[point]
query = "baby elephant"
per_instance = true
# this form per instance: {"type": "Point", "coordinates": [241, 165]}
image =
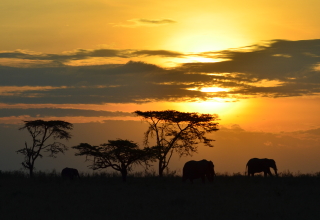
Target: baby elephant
{"type": "Point", "coordinates": [70, 173]}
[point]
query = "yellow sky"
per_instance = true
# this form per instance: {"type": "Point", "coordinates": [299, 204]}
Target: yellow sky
{"type": "Point", "coordinates": [66, 25]}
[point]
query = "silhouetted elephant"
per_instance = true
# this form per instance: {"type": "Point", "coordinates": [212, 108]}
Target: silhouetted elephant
{"type": "Point", "coordinates": [256, 165]}
{"type": "Point", "coordinates": [70, 173]}
{"type": "Point", "coordinates": [198, 169]}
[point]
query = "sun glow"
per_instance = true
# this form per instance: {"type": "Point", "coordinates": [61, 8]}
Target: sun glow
{"type": "Point", "coordinates": [210, 89]}
{"type": "Point", "coordinates": [214, 89]}
{"type": "Point", "coordinates": [199, 59]}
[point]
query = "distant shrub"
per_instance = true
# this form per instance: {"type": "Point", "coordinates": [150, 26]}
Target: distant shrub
{"type": "Point", "coordinates": [13, 174]}
{"type": "Point", "coordinates": [286, 173]}
{"type": "Point", "coordinates": [237, 174]}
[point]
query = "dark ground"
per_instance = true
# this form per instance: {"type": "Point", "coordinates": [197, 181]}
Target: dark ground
{"type": "Point", "coordinates": [47, 196]}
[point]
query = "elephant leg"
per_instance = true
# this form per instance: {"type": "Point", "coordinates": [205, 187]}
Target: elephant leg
{"type": "Point", "coordinates": [268, 171]}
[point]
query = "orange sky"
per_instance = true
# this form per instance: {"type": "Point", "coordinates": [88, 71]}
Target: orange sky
{"type": "Point", "coordinates": [70, 59]}
{"type": "Point", "coordinates": [67, 25]}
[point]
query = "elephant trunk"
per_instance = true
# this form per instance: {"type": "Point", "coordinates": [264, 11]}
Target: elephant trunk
{"type": "Point", "coordinates": [275, 171]}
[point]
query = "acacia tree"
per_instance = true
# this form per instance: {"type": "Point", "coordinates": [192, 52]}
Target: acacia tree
{"type": "Point", "coordinates": [176, 131]}
{"type": "Point", "coordinates": [118, 154]}
{"type": "Point", "coordinates": [41, 131]}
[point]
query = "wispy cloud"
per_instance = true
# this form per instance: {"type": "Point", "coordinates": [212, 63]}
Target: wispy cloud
{"type": "Point", "coordinates": [162, 53]}
{"type": "Point", "coordinates": [82, 54]}
{"type": "Point", "coordinates": [154, 21]}
{"type": "Point", "coordinates": [138, 22]}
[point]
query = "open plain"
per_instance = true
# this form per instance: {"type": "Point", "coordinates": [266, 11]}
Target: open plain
{"type": "Point", "coordinates": [105, 196]}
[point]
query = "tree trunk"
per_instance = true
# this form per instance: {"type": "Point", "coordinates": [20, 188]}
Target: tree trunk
{"type": "Point", "coordinates": [31, 172]}
{"type": "Point", "coordinates": [124, 174]}
{"type": "Point", "coordinates": [161, 168]}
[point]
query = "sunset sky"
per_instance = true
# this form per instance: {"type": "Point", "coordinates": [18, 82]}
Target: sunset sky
{"type": "Point", "coordinates": [92, 63]}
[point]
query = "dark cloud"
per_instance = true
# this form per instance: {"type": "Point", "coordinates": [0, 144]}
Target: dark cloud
{"type": "Point", "coordinates": [132, 82]}
{"type": "Point", "coordinates": [85, 54]}
{"type": "Point", "coordinates": [58, 112]}
{"type": "Point", "coordinates": [77, 55]}
{"type": "Point", "coordinates": [291, 63]}
{"type": "Point", "coordinates": [279, 60]}
{"type": "Point", "coordinates": [283, 68]}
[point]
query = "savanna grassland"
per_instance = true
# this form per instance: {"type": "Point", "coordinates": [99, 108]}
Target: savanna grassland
{"type": "Point", "coordinates": [105, 196]}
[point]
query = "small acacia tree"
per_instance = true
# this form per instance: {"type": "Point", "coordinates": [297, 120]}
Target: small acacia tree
{"type": "Point", "coordinates": [118, 154]}
{"type": "Point", "coordinates": [41, 131]}
{"type": "Point", "coordinates": [176, 131]}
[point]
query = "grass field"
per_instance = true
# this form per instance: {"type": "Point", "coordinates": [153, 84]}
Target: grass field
{"type": "Point", "coordinates": [103, 196]}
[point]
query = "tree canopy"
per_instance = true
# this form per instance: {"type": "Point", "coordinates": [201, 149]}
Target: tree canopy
{"type": "Point", "coordinates": [41, 131]}
{"type": "Point", "coordinates": [118, 154]}
{"type": "Point", "coordinates": [176, 131]}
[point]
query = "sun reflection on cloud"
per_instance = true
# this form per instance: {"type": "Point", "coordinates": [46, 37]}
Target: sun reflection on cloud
{"type": "Point", "coordinates": [209, 89]}
{"type": "Point", "coordinates": [266, 83]}
{"type": "Point", "coordinates": [199, 59]}
{"type": "Point", "coordinates": [214, 89]}
{"type": "Point", "coordinates": [13, 90]}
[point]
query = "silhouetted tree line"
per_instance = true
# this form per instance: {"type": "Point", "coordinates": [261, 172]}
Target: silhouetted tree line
{"type": "Point", "coordinates": [172, 132]}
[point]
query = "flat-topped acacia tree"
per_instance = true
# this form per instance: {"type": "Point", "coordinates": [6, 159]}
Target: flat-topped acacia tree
{"type": "Point", "coordinates": [41, 131]}
{"type": "Point", "coordinates": [176, 131]}
{"type": "Point", "coordinates": [118, 154]}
